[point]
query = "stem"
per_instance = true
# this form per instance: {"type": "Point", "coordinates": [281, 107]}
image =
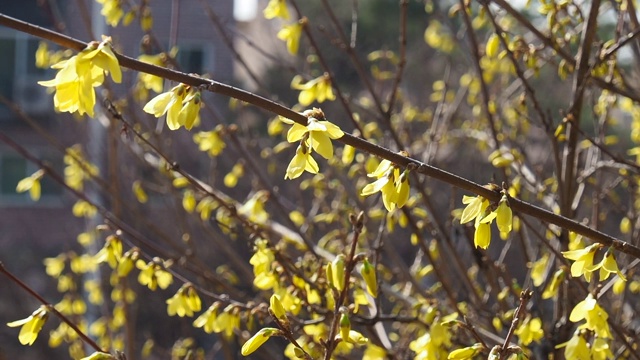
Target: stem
{"type": "Point", "coordinates": [357, 222]}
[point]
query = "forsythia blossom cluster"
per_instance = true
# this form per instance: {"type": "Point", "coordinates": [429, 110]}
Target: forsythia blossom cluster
{"type": "Point", "coordinates": [31, 325]}
{"type": "Point", "coordinates": [181, 104]}
{"type": "Point", "coordinates": [318, 89]}
{"type": "Point", "coordinates": [316, 135]}
{"type": "Point", "coordinates": [78, 75]}
{"type": "Point", "coordinates": [479, 208]}
{"type": "Point", "coordinates": [393, 185]}
{"type": "Point", "coordinates": [583, 262]}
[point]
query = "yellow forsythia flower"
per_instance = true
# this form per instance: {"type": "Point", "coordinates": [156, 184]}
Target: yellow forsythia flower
{"type": "Point", "coordinates": [112, 11]}
{"type": "Point", "coordinates": [258, 339]}
{"type": "Point", "coordinates": [301, 161]}
{"type": "Point", "coordinates": [78, 75]}
{"type": "Point", "coordinates": [552, 289]}
{"type": "Point", "coordinates": [185, 302]}
{"type": "Point", "coordinates": [316, 135]}
{"type": "Point", "coordinates": [31, 325]}
{"type": "Point", "coordinates": [276, 308]}
{"type": "Point", "coordinates": [482, 235]}
{"type": "Point", "coordinates": [318, 89]}
{"type": "Point", "coordinates": [393, 186]}
{"type": "Point", "coordinates": [153, 274]}
{"type": "Point", "coordinates": [111, 253]}
{"type": "Point", "coordinates": [583, 261]}
{"type": "Point", "coordinates": [152, 82]}
{"type": "Point", "coordinates": [368, 272]}
{"type": "Point", "coordinates": [291, 35]}
{"type": "Point", "coordinates": [276, 8]}
{"type": "Point", "coordinates": [594, 315]}
{"type": "Point", "coordinates": [610, 266]}
{"type": "Point", "coordinates": [530, 330]}
{"type": "Point", "coordinates": [181, 104]}
{"type": "Point", "coordinates": [504, 216]}
{"type": "Point", "coordinates": [207, 320]}
{"type": "Point", "coordinates": [99, 356]}
{"type": "Point", "coordinates": [345, 325]}
{"type": "Point", "coordinates": [139, 192]}
{"type": "Point", "coordinates": [576, 347]}
{"type": "Point", "coordinates": [31, 184]}
{"type": "Point", "coordinates": [210, 141]}
{"type": "Point", "coordinates": [465, 353]}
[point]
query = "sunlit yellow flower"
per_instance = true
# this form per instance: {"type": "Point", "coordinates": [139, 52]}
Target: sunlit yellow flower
{"type": "Point", "coordinates": [31, 325]}
{"type": "Point", "coordinates": [276, 308]}
{"type": "Point", "coordinates": [393, 186]}
{"type": "Point", "coordinates": [538, 269]}
{"type": "Point", "coordinates": [228, 322]}
{"type": "Point", "coordinates": [146, 20]}
{"type": "Point", "coordinates": [31, 184]}
{"type": "Point", "coordinates": [55, 266]}
{"type": "Point", "coordinates": [258, 339]}
{"type": "Point", "coordinates": [552, 289]}
{"type": "Point", "coordinates": [482, 235]}
{"type": "Point", "coordinates": [210, 141]}
{"type": "Point", "coordinates": [609, 266]}
{"type": "Point", "coordinates": [318, 132]}
{"type": "Point", "coordinates": [576, 347]}
{"type": "Point", "coordinates": [111, 252]}
{"type": "Point", "coordinates": [127, 262]}
{"type": "Point", "coordinates": [138, 192]}
{"type": "Point", "coordinates": [530, 330]}
{"type": "Point", "coordinates": [600, 350]}
{"type": "Point", "coordinates": [594, 315]}
{"type": "Point", "coordinates": [99, 356]}
{"type": "Point", "coordinates": [185, 302]}
{"type": "Point", "coordinates": [78, 75]}
{"type": "Point", "coordinates": [84, 209]}
{"type": "Point", "coordinates": [207, 320]}
{"type": "Point", "coordinates": [276, 8]}
{"type": "Point", "coordinates": [301, 161]}
{"type": "Point", "coordinates": [583, 261]}
{"type": "Point", "coordinates": [112, 11]}
{"type": "Point", "coordinates": [368, 272]}
{"type": "Point", "coordinates": [337, 272]}
{"type": "Point", "coordinates": [291, 35]}
{"type": "Point", "coordinates": [318, 89]}
{"type": "Point", "coordinates": [169, 103]}
{"type": "Point", "coordinates": [253, 209]}
{"type": "Point", "coordinates": [190, 112]}
{"type": "Point", "coordinates": [465, 353]}
{"type": "Point", "coordinates": [263, 260]}
{"type": "Point", "coordinates": [42, 55]}
{"type": "Point", "coordinates": [504, 216]}
{"type": "Point", "coordinates": [77, 168]}
{"type": "Point", "coordinates": [374, 352]}
{"type": "Point", "coordinates": [153, 274]}
{"type": "Point", "coordinates": [149, 81]}
{"type": "Point", "coordinates": [475, 206]}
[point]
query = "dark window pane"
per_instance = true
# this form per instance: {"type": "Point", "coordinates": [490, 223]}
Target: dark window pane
{"type": "Point", "coordinates": [12, 170]}
{"type": "Point", "coordinates": [191, 60]}
{"type": "Point", "coordinates": [7, 66]}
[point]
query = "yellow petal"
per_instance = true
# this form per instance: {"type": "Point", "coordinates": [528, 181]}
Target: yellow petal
{"type": "Point", "coordinates": [322, 144]}
{"type": "Point", "coordinates": [296, 132]}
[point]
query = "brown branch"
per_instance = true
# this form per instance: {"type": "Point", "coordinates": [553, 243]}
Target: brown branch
{"type": "Point", "coordinates": [359, 143]}
{"type": "Point", "coordinates": [50, 308]}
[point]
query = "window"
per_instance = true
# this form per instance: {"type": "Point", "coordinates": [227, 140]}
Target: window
{"type": "Point", "coordinates": [14, 168]}
{"type": "Point", "coordinates": [19, 76]}
{"type": "Point", "coordinates": [194, 58]}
